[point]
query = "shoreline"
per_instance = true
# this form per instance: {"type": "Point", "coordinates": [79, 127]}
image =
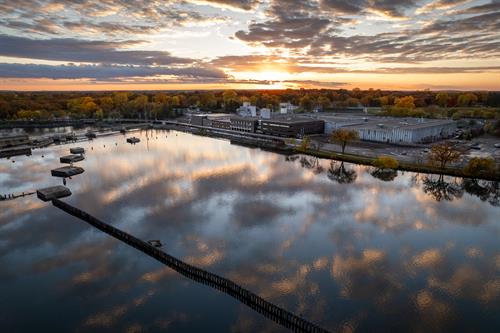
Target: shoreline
{"type": "Point", "coordinates": [331, 155]}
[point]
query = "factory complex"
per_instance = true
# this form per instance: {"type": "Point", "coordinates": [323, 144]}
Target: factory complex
{"type": "Point", "coordinates": [287, 124]}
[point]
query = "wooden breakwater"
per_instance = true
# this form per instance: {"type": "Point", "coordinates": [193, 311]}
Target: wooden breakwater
{"type": "Point", "coordinates": [269, 310]}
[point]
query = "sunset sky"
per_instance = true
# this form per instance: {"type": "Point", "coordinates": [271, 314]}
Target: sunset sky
{"type": "Point", "coordinates": [249, 44]}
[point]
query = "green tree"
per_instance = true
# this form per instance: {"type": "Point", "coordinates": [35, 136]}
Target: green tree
{"type": "Point", "coordinates": [343, 137]}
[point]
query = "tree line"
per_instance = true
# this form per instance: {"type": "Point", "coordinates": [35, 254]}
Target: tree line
{"type": "Point", "coordinates": [168, 104]}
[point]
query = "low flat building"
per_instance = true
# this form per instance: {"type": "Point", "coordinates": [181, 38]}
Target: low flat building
{"type": "Point", "coordinates": [292, 127]}
{"type": "Point", "coordinates": [401, 131]}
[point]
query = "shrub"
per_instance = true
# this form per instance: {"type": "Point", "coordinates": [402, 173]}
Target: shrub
{"type": "Point", "coordinates": [478, 166]}
{"type": "Point", "coordinates": [386, 162]}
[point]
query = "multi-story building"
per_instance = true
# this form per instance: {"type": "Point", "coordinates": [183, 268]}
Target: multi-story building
{"type": "Point", "coordinates": [244, 124]}
{"type": "Point", "coordinates": [292, 127]}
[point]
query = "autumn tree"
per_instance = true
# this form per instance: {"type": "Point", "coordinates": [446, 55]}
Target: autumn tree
{"type": "Point", "coordinates": [478, 166]}
{"type": "Point", "coordinates": [386, 162]}
{"type": "Point", "coordinates": [442, 99]}
{"type": "Point", "coordinates": [442, 154]}
{"type": "Point", "coordinates": [230, 99]}
{"type": "Point", "coordinates": [343, 137]}
{"type": "Point", "coordinates": [306, 103]}
{"type": "Point", "coordinates": [306, 142]}
{"type": "Point", "coordinates": [467, 99]}
{"type": "Point", "coordinates": [120, 100]}
{"type": "Point", "coordinates": [407, 102]}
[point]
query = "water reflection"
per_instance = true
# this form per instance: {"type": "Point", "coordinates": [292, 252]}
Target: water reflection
{"type": "Point", "coordinates": [417, 253]}
{"type": "Point", "coordinates": [387, 175]}
{"type": "Point", "coordinates": [340, 174]}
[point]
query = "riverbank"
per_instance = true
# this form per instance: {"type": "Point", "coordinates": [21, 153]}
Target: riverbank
{"type": "Point", "coordinates": [327, 154]}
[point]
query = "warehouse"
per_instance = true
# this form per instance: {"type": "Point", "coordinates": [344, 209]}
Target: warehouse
{"type": "Point", "coordinates": [405, 131]}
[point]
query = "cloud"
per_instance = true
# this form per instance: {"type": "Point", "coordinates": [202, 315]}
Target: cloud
{"type": "Point", "coordinates": [100, 17]}
{"type": "Point", "coordinates": [89, 51]}
{"type": "Point", "coordinates": [320, 31]}
{"type": "Point", "coordinates": [245, 5]}
{"type": "Point", "coordinates": [102, 72]}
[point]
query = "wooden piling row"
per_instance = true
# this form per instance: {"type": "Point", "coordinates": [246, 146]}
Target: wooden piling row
{"type": "Point", "coordinates": [269, 310]}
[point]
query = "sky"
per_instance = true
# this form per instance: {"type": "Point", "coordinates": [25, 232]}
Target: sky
{"type": "Point", "coordinates": [249, 44]}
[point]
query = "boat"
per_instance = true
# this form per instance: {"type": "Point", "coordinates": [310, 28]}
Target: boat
{"type": "Point", "coordinates": [77, 150]}
{"type": "Point", "coordinates": [133, 140]}
{"type": "Point", "coordinates": [90, 135]}
{"type": "Point", "coordinates": [155, 243]}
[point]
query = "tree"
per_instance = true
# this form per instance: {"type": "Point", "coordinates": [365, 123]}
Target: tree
{"type": "Point", "coordinates": [343, 137]}
{"type": "Point", "coordinates": [231, 102]}
{"type": "Point", "coordinates": [479, 166]}
{"type": "Point", "coordinates": [407, 102]}
{"type": "Point", "coordinates": [467, 99]}
{"type": "Point", "coordinates": [442, 99]}
{"type": "Point", "coordinates": [120, 100]}
{"type": "Point", "coordinates": [306, 103]}
{"type": "Point", "coordinates": [106, 104]}
{"type": "Point", "coordinates": [339, 173]}
{"type": "Point", "coordinates": [386, 162]}
{"type": "Point", "coordinates": [306, 142]}
{"type": "Point", "coordinates": [324, 102]}
{"type": "Point", "coordinates": [444, 153]}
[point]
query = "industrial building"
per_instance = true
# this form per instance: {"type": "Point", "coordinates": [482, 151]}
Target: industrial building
{"type": "Point", "coordinates": [404, 132]}
{"type": "Point", "coordinates": [292, 127]}
{"type": "Point", "coordinates": [244, 124]}
{"type": "Point", "coordinates": [287, 108]}
{"type": "Point", "coordinates": [247, 110]}
{"type": "Point", "coordinates": [391, 130]}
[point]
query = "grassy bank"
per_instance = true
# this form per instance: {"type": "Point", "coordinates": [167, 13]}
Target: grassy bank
{"type": "Point", "coordinates": [404, 166]}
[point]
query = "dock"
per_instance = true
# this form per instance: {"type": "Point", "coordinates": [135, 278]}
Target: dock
{"type": "Point", "coordinates": [15, 151]}
{"type": "Point", "coordinates": [67, 171]}
{"type": "Point", "coordinates": [77, 150]}
{"type": "Point", "coordinates": [269, 310]}
{"type": "Point", "coordinates": [54, 192]}
{"type": "Point", "coordinates": [70, 159]}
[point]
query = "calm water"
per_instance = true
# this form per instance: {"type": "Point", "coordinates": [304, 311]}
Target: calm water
{"type": "Point", "coordinates": [347, 250]}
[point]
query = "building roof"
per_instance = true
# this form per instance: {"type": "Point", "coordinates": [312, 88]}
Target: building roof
{"type": "Point", "coordinates": [408, 123]}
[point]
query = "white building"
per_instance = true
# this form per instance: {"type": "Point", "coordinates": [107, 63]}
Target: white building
{"type": "Point", "coordinates": [247, 110]}
{"type": "Point", "coordinates": [391, 130]}
{"type": "Point", "coordinates": [405, 132]}
{"type": "Point", "coordinates": [265, 113]}
{"type": "Point", "coordinates": [286, 108]}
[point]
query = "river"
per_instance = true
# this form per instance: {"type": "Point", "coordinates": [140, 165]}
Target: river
{"type": "Point", "coordinates": [342, 245]}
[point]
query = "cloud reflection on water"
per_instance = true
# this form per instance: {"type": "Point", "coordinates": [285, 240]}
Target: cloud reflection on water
{"type": "Point", "coordinates": [341, 253]}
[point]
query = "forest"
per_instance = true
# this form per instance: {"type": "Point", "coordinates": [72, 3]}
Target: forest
{"type": "Point", "coordinates": [169, 104]}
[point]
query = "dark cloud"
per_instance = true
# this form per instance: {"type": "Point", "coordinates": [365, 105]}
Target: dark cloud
{"type": "Point", "coordinates": [102, 72]}
{"type": "Point", "coordinates": [493, 6]}
{"type": "Point", "coordinates": [393, 8]}
{"type": "Point", "coordinates": [75, 50]}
